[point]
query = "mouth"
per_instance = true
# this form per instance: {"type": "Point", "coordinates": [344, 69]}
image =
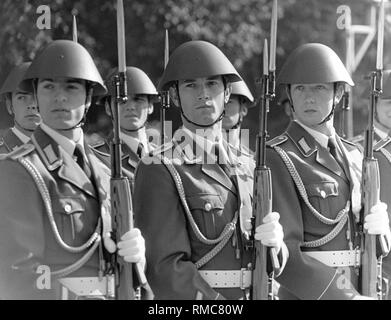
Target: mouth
{"type": "Point", "coordinates": [310, 111]}
{"type": "Point", "coordinates": [60, 110]}
{"type": "Point", "coordinates": [32, 117]}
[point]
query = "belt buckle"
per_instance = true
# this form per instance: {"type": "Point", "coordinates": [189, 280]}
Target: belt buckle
{"type": "Point", "coordinates": [241, 279]}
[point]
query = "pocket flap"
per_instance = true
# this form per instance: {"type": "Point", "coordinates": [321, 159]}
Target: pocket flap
{"type": "Point", "coordinates": [205, 201]}
{"type": "Point", "coordinates": [67, 205]}
{"type": "Point", "coordinates": [322, 189]}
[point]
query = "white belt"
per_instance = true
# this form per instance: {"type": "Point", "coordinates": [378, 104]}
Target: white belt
{"type": "Point", "coordinates": [340, 258]}
{"type": "Point", "coordinates": [88, 286]}
{"type": "Point", "coordinates": [227, 278]}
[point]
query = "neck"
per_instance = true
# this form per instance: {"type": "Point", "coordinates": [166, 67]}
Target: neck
{"type": "Point", "coordinates": [325, 128]}
{"type": "Point", "coordinates": [27, 133]}
{"type": "Point", "coordinates": [140, 134]}
{"type": "Point", "coordinates": [73, 134]}
{"type": "Point", "coordinates": [210, 133]}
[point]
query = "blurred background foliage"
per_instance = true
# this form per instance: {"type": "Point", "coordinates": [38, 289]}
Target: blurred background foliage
{"type": "Point", "coordinates": [237, 27]}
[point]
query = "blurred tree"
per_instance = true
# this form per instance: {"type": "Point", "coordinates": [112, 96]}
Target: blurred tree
{"type": "Point", "coordinates": [236, 26]}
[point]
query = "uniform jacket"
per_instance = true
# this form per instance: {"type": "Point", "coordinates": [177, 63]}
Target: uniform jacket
{"type": "Point", "coordinates": [328, 188]}
{"type": "Point", "coordinates": [26, 238]}
{"type": "Point", "coordinates": [213, 199]}
{"type": "Point", "coordinates": [9, 141]}
{"type": "Point", "coordinates": [130, 159]}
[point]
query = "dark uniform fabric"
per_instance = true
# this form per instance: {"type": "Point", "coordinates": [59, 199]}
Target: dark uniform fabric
{"type": "Point", "coordinates": [172, 247]}
{"type": "Point", "coordinates": [130, 159]}
{"type": "Point", "coordinates": [9, 141]}
{"type": "Point", "coordinates": [329, 187]}
{"type": "Point", "coordinates": [26, 237]}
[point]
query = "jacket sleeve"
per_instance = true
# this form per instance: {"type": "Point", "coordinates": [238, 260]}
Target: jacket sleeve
{"type": "Point", "coordinates": [162, 221]}
{"type": "Point", "coordinates": [303, 277]}
{"type": "Point", "coordinates": [21, 233]}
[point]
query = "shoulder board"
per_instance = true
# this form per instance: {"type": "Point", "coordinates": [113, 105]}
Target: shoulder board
{"type": "Point", "coordinates": [381, 144]}
{"type": "Point", "coordinates": [97, 144]}
{"type": "Point", "coordinates": [351, 142]}
{"type": "Point", "coordinates": [277, 140]}
{"type": "Point", "coordinates": [356, 139]}
{"type": "Point", "coordinates": [162, 148]}
{"type": "Point", "coordinates": [19, 152]}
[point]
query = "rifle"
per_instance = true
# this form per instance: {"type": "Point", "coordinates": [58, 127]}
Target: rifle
{"type": "Point", "coordinates": [74, 29]}
{"type": "Point", "coordinates": [370, 273]}
{"type": "Point", "coordinates": [121, 203]}
{"type": "Point", "coordinates": [165, 96]}
{"type": "Point", "coordinates": [264, 260]}
{"type": "Point", "coordinates": [344, 129]}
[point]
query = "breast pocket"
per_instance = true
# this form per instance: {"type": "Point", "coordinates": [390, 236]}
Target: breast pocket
{"type": "Point", "coordinates": [69, 213]}
{"type": "Point", "coordinates": [207, 211]}
{"type": "Point", "coordinates": [321, 194]}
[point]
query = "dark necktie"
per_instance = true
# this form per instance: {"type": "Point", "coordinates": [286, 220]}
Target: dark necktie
{"type": "Point", "coordinates": [80, 159]}
{"type": "Point", "coordinates": [221, 161]}
{"type": "Point", "coordinates": [334, 151]}
{"type": "Point", "coordinates": [140, 150]}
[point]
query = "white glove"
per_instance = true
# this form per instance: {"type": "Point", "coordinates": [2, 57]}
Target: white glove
{"type": "Point", "coordinates": [377, 222]}
{"type": "Point", "coordinates": [131, 247]}
{"type": "Point", "coordinates": [270, 232]}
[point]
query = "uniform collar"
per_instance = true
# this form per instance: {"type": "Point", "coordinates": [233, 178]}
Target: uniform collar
{"type": "Point", "coordinates": [22, 137]}
{"type": "Point", "coordinates": [67, 144]}
{"type": "Point", "coordinates": [133, 143]}
{"type": "Point", "coordinates": [321, 138]}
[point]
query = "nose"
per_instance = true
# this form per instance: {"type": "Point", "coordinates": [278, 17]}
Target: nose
{"type": "Point", "coordinates": [60, 95]}
{"type": "Point", "coordinates": [203, 93]}
{"type": "Point", "coordinates": [309, 96]}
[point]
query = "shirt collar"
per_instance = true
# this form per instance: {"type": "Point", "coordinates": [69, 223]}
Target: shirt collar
{"type": "Point", "coordinates": [381, 133]}
{"type": "Point", "coordinates": [321, 138]}
{"type": "Point", "coordinates": [67, 144]}
{"type": "Point", "coordinates": [133, 143]}
{"type": "Point", "coordinates": [20, 135]}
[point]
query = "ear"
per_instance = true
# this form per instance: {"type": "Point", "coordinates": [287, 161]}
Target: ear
{"type": "Point", "coordinates": [150, 108]}
{"type": "Point", "coordinates": [8, 104]}
{"type": "Point", "coordinates": [174, 95]}
{"type": "Point", "coordinates": [108, 100]}
{"type": "Point", "coordinates": [227, 92]}
{"type": "Point", "coordinates": [88, 98]}
{"type": "Point", "coordinates": [243, 110]}
{"type": "Point", "coordinates": [339, 92]}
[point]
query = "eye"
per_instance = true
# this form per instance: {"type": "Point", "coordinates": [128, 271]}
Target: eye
{"type": "Point", "coordinates": [48, 86]}
{"type": "Point", "coordinates": [212, 83]}
{"type": "Point", "coordinates": [320, 87]}
{"type": "Point", "coordinates": [73, 86]}
{"type": "Point", "coordinates": [21, 98]}
{"type": "Point", "coordinates": [190, 85]}
{"type": "Point", "coordinates": [299, 88]}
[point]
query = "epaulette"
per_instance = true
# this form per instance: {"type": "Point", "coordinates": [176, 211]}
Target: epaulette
{"type": "Point", "coordinates": [20, 151]}
{"type": "Point", "coordinates": [356, 139]}
{"type": "Point", "coordinates": [97, 144]}
{"type": "Point", "coordinates": [381, 144]}
{"type": "Point", "coordinates": [351, 142]}
{"type": "Point", "coordinates": [276, 141]}
{"type": "Point", "coordinates": [162, 148]}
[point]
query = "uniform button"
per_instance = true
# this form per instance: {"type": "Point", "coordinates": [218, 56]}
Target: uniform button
{"type": "Point", "coordinates": [67, 208]}
{"type": "Point", "coordinates": [323, 194]}
{"type": "Point", "coordinates": [208, 206]}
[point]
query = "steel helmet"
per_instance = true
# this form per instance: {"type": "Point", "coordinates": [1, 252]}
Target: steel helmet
{"type": "Point", "coordinates": [313, 63]}
{"type": "Point", "coordinates": [66, 58]}
{"type": "Point", "coordinates": [197, 59]}
{"type": "Point", "coordinates": [240, 88]}
{"type": "Point", "coordinates": [137, 83]}
{"type": "Point", "coordinates": [11, 84]}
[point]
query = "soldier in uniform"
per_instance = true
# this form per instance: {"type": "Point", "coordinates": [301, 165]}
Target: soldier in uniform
{"type": "Point", "coordinates": [133, 119]}
{"type": "Point", "coordinates": [236, 109]}
{"type": "Point", "coordinates": [193, 211]}
{"type": "Point", "coordinates": [51, 241]}
{"type": "Point", "coordinates": [382, 152]}
{"type": "Point", "coordinates": [316, 179]}
{"type": "Point", "coordinates": [21, 105]}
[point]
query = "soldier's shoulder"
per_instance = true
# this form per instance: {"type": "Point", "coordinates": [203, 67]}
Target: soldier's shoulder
{"type": "Point", "coordinates": [382, 144]}
{"type": "Point", "coordinates": [19, 152]}
{"type": "Point", "coordinates": [101, 147]}
{"type": "Point", "coordinates": [359, 139]}
{"type": "Point", "coordinates": [276, 141]}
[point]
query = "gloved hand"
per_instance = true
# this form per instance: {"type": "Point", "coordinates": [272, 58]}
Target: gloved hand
{"type": "Point", "coordinates": [131, 246]}
{"type": "Point", "coordinates": [377, 222]}
{"type": "Point", "coordinates": [270, 232]}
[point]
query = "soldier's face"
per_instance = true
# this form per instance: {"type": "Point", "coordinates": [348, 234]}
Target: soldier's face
{"type": "Point", "coordinates": [384, 112]}
{"type": "Point", "coordinates": [312, 102]}
{"type": "Point", "coordinates": [61, 102]}
{"type": "Point", "coordinates": [134, 113]}
{"type": "Point", "coordinates": [24, 109]}
{"type": "Point", "coordinates": [202, 99]}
